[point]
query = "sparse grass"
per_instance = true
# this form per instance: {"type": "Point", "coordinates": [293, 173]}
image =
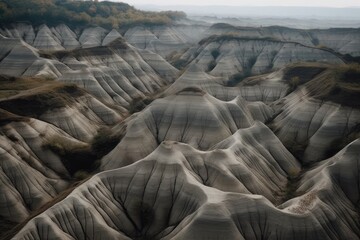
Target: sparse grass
{"type": "Point", "coordinates": [303, 72]}
{"type": "Point", "coordinates": [105, 141]}
{"type": "Point", "coordinates": [139, 104]}
{"type": "Point", "coordinates": [32, 102]}
{"type": "Point", "coordinates": [237, 78]}
{"type": "Point", "coordinates": [340, 84]}
{"type": "Point", "coordinates": [340, 143]}
{"type": "Point", "coordinates": [8, 117]}
{"type": "Point", "coordinates": [75, 157]}
{"type": "Point", "coordinates": [211, 65]}
{"type": "Point", "coordinates": [82, 159]}
{"type": "Point", "coordinates": [10, 86]}
{"type": "Point", "coordinates": [234, 37]}
{"type": "Point", "coordinates": [215, 53]}
{"type": "Point", "coordinates": [180, 64]}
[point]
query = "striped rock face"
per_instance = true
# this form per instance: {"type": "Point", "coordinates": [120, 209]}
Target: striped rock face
{"type": "Point", "coordinates": [171, 132]}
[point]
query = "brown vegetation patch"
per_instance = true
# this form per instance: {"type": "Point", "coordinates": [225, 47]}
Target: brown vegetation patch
{"type": "Point", "coordinates": [34, 102]}
{"type": "Point", "coordinates": [339, 84]}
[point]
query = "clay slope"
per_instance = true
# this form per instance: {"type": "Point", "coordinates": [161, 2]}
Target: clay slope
{"type": "Point", "coordinates": [66, 106]}
{"type": "Point", "coordinates": [162, 40]}
{"type": "Point", "coordinates": [322, 115]}
{"type": "Point", "coordinates": [60, 37]}
{"type": "Point", "coordinates": [17, 58]}
{"type": "Point", "coordinates": [47, 141]}
{"type": "Point", "coordinates": [344, 41]}
{"type": "Point", "coordinates": [31, 173]}
{"type": "Point", "coordinates": [266, 88]}
{"type": "Point", "coordinates": [190, 116]}
{"type": "Point", "coordinates": [163, 196]}
{"type": "Point", "coordinates": [117, 73]}
{"type": "Point", "coordinates": [226, 55]}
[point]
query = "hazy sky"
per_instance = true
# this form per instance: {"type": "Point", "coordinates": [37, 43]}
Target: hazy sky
{"type": "Point", "coordinates": [322, 3]}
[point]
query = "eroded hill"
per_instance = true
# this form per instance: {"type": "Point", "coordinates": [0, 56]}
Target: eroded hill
{"type": "Point", "coordinates": [172, 132]}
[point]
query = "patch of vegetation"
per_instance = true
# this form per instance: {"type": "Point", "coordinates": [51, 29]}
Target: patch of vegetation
{"type": "Point", "coordinates": [74, 157]}
{"type": "Point", "coordinates": [82, 13]}
{"type": "Point", "coordinates": [303, 73]}
{"type": "Point", "coordinates": [83, 159]}
{"type": "Point", "coordinates": [211, 65]}
{"type": "Point", "coordinates": [139, 104]}
{"type": "Point", "coordinates": [105, 141]}
{"type": "Point", "coordinates": [234, 37]}
{"type": "Point", "coordinates": [340, 84]}
{"type": "Point", "coordinates": [7, 117]}
{"type": "Point", "coordinates": [341, 143]}
{"type": "Point", "coordinates": [291, 187]}
{"type": "Point", "coordinates": [42, 99]}
{"type": "Point", "coordinates": [10, 86]}
{"type": "Point", "coordinates": [297, 149]}
{"type": "Point", "coordinates": [237, 78]}
{"type": "Point", "coordinates": [180, 64]}
{"type": "Point", "coordinates": [215, 53]}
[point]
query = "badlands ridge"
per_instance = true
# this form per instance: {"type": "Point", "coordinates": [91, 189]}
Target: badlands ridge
{"type": "Point", "coordinates": [179, 132]}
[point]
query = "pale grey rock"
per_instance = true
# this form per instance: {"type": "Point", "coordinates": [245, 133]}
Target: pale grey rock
{"type": "Point", "coordinates": [30, 174]}
{"type": "Point", "coordinates": [92, 37]}
{"type": "Point", "coordinates": [312, 124]}
{"type": "Point", "coordinates": [344, 41]}
{"type": "Point", "coordinates": [119, 73]}
{"type": "Point", "coordinates": [111, 36]}
{"type": "Point", "coordinates": [265, 88]}
{"type": "Point", "coordinates": [67, 37]}
{"type": "Point", "coordinates": [16, 56]}
{"type": "Point", "coordinates": [163, 197]}
{"type": "Point", "coordinates": [83, 119]}
{"type": "Point", "coordinates": [46, 40]}
{"type": "Point", "coordinates": [253, 56]}
{"type": "Point", "coordinates": [191, 116]}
